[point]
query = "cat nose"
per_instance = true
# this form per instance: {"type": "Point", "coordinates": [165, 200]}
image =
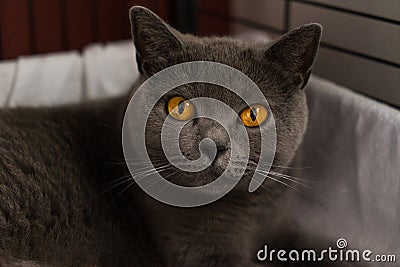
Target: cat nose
{"type": "Point", "coordinates": [216, 133]}
{"type": "Point", "coordinates": [208, 148]}
{"type": "Point", "coordinates": [220, 142]}
{"type": "Point", "coordinates": [221, 147]}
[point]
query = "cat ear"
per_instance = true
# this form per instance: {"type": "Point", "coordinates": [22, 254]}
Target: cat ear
{"type": "Point", "coordinates": [296, 51]}
{"type": "Point", "coordinates": [153, 39]}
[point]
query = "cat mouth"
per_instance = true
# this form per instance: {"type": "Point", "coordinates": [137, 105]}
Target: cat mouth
{"type": "Point", "coordinates": [207, 176]}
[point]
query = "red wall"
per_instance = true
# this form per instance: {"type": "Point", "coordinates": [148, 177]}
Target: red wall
{"type": "Point", "coordinates": [42, 26]}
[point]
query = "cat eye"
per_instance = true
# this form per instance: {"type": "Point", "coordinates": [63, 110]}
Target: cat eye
{"type": "Point", "coordinates": [254, 115]}
{"type": "Point", "coordinates": [180, 109]}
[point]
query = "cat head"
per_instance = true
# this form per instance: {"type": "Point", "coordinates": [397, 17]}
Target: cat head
{"type": "Point", "coordinates": [280, 69]}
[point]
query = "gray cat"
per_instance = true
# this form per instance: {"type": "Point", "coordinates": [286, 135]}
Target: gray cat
{"type": "Point", "coordinates": [55, 161]}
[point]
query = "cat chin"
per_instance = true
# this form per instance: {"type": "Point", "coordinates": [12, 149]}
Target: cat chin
{"type": "Point", "coordinates": [204, 178]}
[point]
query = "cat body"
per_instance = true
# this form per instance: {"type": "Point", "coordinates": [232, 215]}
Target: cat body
{"type": "Point", "coordinates": [53, 168]}
{"type": "Point", "coordinates": [56, 162]}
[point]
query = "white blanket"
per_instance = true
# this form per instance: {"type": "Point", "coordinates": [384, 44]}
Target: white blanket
{"type": "Point", "coordinates": [59, 78]}
{"type": "Point", "coordinates": [352, 149]}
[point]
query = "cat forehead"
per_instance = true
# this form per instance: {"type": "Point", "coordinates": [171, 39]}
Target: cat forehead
{"type": "Point", "coordinates": [243, 56]}
{"type": "Point", "coordinates": [196, 90]}
{"type": "Point", "coordinates": [220, 49]}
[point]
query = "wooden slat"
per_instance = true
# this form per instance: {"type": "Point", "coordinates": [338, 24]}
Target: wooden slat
{"type": "Point", "coordinates": [163, 9]}
{"type": "Point", "coordinates": [111, 19]}
{"type": "Point", "coordinates": [363, 75]}
{"type": "Point", "coordinates": [270, 13]}
{"type": "Point", "coordinates": [41, 26]}
{"type": "Point", "coordinates": [80, 25]}
{"type": "Point", "coordinates": [14, 28]}
{"type": "Point", "coordinates": [212, 25]}
{"type": "Point", "coordinates": [47, 21]}
{"type": "Point", "coordinates": [220, 7]}
{"type": "Point", "coordinates": [355, 33]}
{"type": "Point", "coordinates": [389, 9]}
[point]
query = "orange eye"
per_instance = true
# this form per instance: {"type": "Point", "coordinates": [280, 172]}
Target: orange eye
{"type": "Point", "coordinates": [180, 109]}
{"type": "Point", "coordinates": [254, 115]}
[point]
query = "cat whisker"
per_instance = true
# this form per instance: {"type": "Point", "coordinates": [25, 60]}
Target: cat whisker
{"type": "Point", "coordinates": [151, 162]}
{"type": "Point", "coordinates": [125, 178]}
{"type": "Point", "coordinates": [129, 177]}
{"type": "Point", "coordinates": [293, 168]}
{"type": "Point", "coordinates": [142, 171]}
{"type": "Point", "coordinates": [127, 163]}
{"type": "Point", "coordinates": [144, 174]}
{"type": "Point", "coordinates": [286, 175]}
{"type": "Point", "coordinates": [280, 167]}
{"type": "Point", "coordinates": [283, 183]}
{"type": "Point", "coordinates": [287, 178]}
{"type": "Point", "coordinates": [289, 186]}
{"type": "Point", "coordinates": [137, 179]}
{"type": "Point", "coordinates": [165, 177]}
{"type": "Point", "coordinates": [135, 162]}
{"type": "Point", "coordinates": [295, 178]}
{"type": "Point", "coordinates": [122, 191]}
{"type": "Point", "coordinates": [300, 192]}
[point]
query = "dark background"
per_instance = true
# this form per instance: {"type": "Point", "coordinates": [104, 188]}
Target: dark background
{"type": "Point", "coordinates": [359, 48]}
{"type": "Point", "coordinates": [42, 26]}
